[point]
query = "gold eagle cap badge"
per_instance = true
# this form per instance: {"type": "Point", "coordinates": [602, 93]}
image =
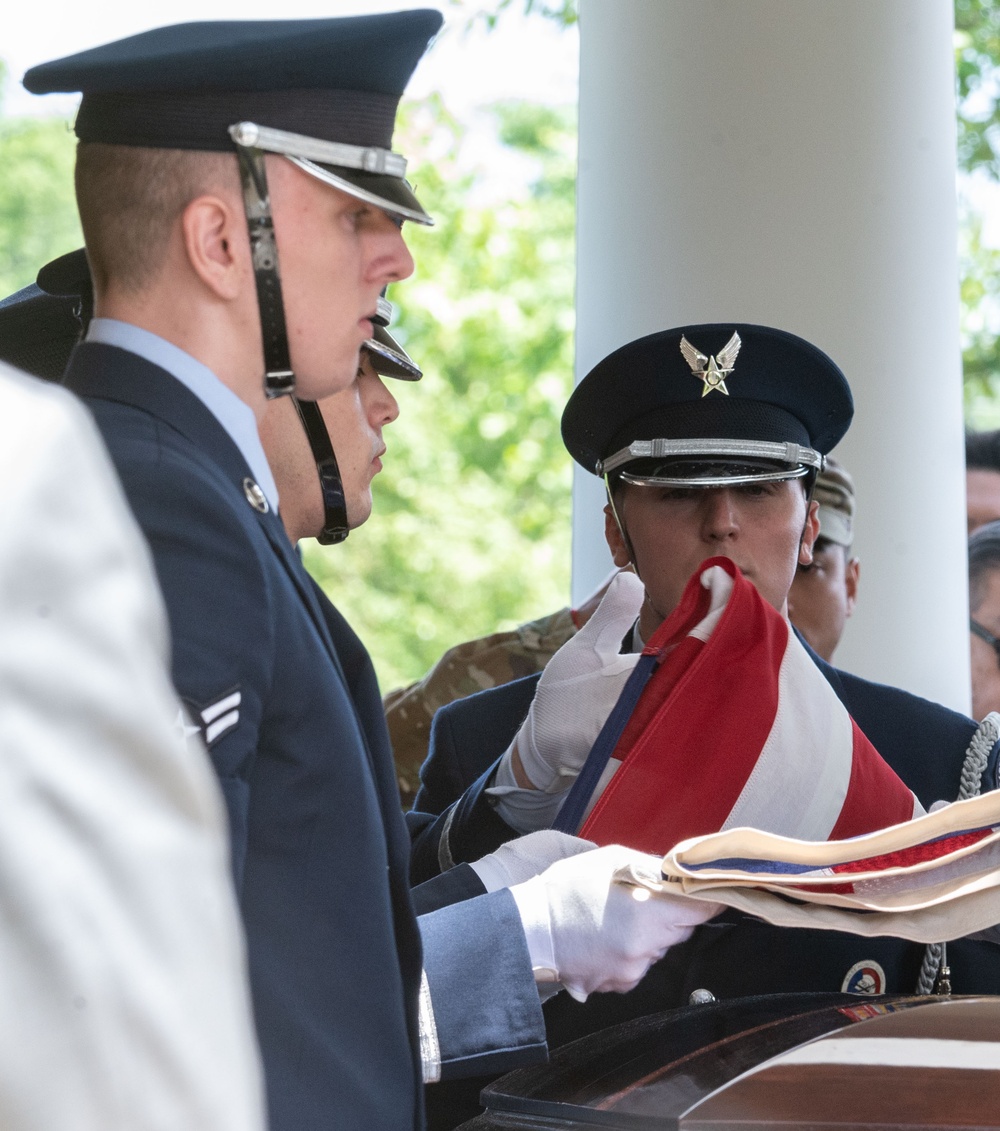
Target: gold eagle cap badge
{"type": "Point", "coordinates": [712, 371]}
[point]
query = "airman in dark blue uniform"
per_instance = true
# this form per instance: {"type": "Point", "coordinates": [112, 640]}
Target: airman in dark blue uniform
{"type": "Point", "coordinates": [281, 129]}
{"type": "Point", "coordinates": [354, 1003]}
{"type": "Point", "coordinates": [691, 428]}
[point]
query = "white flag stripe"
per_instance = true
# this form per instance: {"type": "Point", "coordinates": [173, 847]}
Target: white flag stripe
{"type": "Point", "coordinates": [210, 714]}
{"type": "Point", "coordinates": [213, 732]}
{"type": "Point", "coordinates": [897, 1052]}
{"type": "Point", "coordinates": [798, 786]}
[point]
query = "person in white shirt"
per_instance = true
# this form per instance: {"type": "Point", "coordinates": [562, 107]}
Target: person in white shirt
{"type": "Point", "coordinates": [122, 966]}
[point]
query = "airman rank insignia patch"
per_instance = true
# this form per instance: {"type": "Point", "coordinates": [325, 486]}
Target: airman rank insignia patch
{"type": "Point", "coordinates": [214, 720]}
{"type": "Point", "coordinates": [183, 725]}
{"type": "Point", "coordinates": [864, 977]}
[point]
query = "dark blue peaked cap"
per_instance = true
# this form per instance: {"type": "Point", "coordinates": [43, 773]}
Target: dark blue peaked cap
{"type": "Point", "coordinates": [183, 87]}
{"type": "Point", "coordinates": [779, 389]}
{"type": "Point", "coordinates": [375, 53]}
{"type": "Point", "coordinates": [40, 325]}
{"type": "Point", "coordinates": [38, 331]}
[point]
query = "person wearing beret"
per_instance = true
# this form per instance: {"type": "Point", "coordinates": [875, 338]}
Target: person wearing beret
{"type": "Point", "coordinates": [242, 212]}
{"type": "Point", "coordinates": [709, 439]}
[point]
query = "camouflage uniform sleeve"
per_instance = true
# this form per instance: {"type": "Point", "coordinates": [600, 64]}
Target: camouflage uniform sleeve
{"type": "Point", "coordinates": [473, 666]}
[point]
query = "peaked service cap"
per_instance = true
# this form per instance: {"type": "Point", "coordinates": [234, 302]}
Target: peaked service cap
{"type": "Point", "coordinates": [40, 324]}
{"type": "Point", "coordinates": [834, 491]}
{"type": "Point", "coordinates": [324, 92]}
{"type": "Point", "coordinates": [738, 402]}
{"type": "Point", "coordinates": [388, 357]}
{"type": "Point", "coordinates": [38, 331]}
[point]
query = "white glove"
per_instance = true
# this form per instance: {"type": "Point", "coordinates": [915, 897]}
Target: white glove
{"type": "Point", "coordinates": [578, 690]}
{"type": "Point", "coordinates": [527, 856]}
{"type": "Point", "coordinates": [593, 934]}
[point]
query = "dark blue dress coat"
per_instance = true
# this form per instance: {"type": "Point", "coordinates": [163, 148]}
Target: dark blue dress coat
{"type": "Point", "coordinates": [733, 955]}
{"type": "Point", "coordinates": [287, 702]}
{"type": "Point", "coordinates": [922, 741]}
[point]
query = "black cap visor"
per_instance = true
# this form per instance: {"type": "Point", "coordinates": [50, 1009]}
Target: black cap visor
{"type": "Point", "coordinates": [723, 472]}
{"type": "Point", "coordinates": [391, 194]}
{"type": "Point", "coordinates": [388, 358]}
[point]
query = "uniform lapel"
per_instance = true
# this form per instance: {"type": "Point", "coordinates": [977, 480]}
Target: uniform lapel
{"type": "Point", "coordinates": [276, 535]}
{"type": "Point", "coordinates": [112, 374]}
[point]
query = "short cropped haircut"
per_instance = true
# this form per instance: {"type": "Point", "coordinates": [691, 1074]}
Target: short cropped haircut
{"type": "Point", "coordinates": [982, 450]}
{"type": "Point", "coordinates": [129, 198]}
{"type": "Point", "coordinates": [984, 558]}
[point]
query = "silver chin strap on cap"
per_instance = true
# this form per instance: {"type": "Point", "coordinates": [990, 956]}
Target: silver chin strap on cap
{"type": "Point", "coordinates": [251, 142]}
{"type": "Point", "coordinates": [279, 380]}
{"type": "Point", "coordinates": [335, 525]}
{"type": "Point", "coordinates": [799, 461]}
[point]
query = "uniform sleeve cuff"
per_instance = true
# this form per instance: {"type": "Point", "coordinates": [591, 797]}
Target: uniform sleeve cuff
{"type": "Point", "coordinates": [533, 908]}
{"type": "Point", "coordinates": [525, 810]}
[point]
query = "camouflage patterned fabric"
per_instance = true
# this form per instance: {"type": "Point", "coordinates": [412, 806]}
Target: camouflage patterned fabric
{"type": "Point", "coordinates": [462, 670]}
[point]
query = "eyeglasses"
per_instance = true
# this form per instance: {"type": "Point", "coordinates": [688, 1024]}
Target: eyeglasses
{"type": "Point", "coordinates": [978, 630]}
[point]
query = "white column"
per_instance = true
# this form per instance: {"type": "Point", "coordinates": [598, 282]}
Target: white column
{"type": "Point", "coordinates": [792, 162]}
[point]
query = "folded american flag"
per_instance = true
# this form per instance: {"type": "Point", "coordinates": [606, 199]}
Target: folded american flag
{"type": "Point", "coordinates": [931, 879]}
{"type": "Point", "coordinates": [727, 721]}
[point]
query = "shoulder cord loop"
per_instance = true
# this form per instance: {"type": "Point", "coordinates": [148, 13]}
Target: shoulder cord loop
{"type": "Point", "coordinates": [986, 737]}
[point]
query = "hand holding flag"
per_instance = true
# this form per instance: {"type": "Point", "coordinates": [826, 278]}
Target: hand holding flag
{"type": "Point", "coordinates": [577, 690]}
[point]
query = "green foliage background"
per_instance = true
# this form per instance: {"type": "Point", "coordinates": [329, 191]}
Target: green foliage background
{"type": "Point", "coordinates": [38, 218]}
{"type": "Point", "coordinates": [472, 512]}
{"type": "Point", "coordinates": [977, 64]}
{"type": "Point", "coordinates": [471, 527]}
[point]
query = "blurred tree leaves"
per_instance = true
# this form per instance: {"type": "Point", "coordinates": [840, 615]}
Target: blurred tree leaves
{"type": "Point", "coordinates": [977, 55]}
{"type": "Point", "coordinates": [471, 527]}
{"type": "Point", "coordinates": [977, 64]}
{"type": "Point", "coordinates": [562, 12]}
{"type": "Point", "coordinates": [472, 516]}
{"type": "Point", "coordinates": [38, 218]}
{"type": "Point", "coordinates": [472, 512]}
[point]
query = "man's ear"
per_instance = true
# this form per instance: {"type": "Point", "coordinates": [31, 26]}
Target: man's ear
{"type": "Point", "coordinates": [215, 242]}
{"type": "Point", "coordinates": [613, 536]}
{"type": "Point", "coordinates": [852, 575]}
{"type": "Point", "coordinates": [810, 532]}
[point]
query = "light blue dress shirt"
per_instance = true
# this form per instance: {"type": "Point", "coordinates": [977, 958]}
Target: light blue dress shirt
{"type": "Point", "coordinates": [234, 415]}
